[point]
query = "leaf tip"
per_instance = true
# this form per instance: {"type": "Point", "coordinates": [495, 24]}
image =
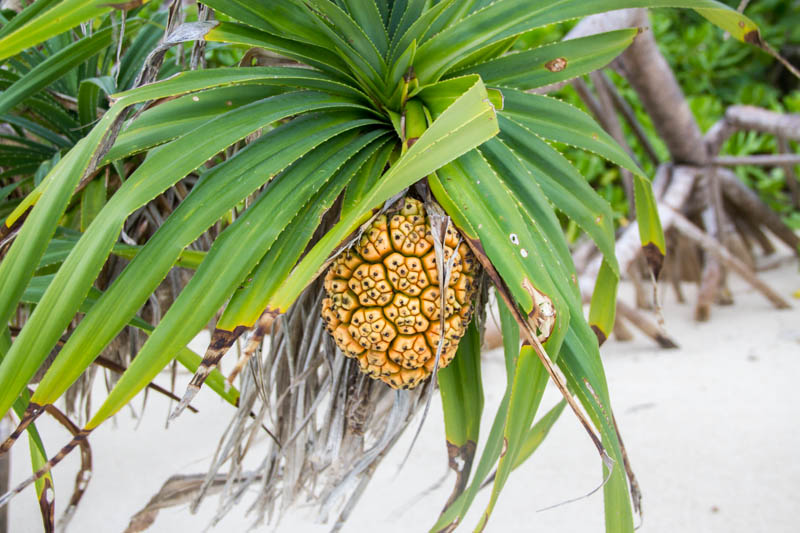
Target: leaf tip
{"type": "Point", "coordinates": [655, 258]}
{"type": "Point", "coordinates": [601, 336]}
{"type": "Point", "coordinates": [754, 37]}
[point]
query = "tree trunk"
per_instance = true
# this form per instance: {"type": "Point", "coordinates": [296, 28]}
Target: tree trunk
{"type": "Point", "coordinates": [651, 76]}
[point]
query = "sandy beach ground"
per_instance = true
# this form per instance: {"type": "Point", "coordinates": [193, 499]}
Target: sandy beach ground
{"type": "Point", "coordinates": [712, 431]}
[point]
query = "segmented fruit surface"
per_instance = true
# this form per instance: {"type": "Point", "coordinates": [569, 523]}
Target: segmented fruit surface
{"type": "Point", "coordinates": [383, 305]}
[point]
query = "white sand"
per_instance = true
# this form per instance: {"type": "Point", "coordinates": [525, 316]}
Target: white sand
{"type": "Point", "coordinates": [712, 431]}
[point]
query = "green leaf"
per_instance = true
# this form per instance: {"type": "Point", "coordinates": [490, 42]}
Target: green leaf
{"type": "Point", "coordinates": [580, 362]}
{"type": "Point", "coordinates": [88, 97]}
{"type": "Point", "coordinates": [538, 432]}
{"type": "Point", "coordinates": [455, 11]}
{"type": "Point", "coordinates": [62, 244]}
{"type": "Point", "coordinates": [441, 95]}
{"type": "Point", "coordinates": [398, 71]}
{"type": "Point", "coordinates": [8, 189]}
{"type": "Point", "coordinates": [537, 211]}
{"type": "Point", "coordinates": [417, 25]}
{"type": "Point", "coordinates": [55, 118]}
{"type": "Point", "coordinates": [404, 14]}
{"type": "Point", "coordinates": [168, 120]}
{"type": "Point", "coordinates": [383, 8]}
{"type": "Point", "coordinates": [38, 456]}
{"type": "Point", "coordinates": [494, 442]}
{"type": "Point", "coordinates": [16, 156]}
{"type": "Point", "coordinates": [322, 58]}
{"type": "Point", "coordinates": [527, 390]}
{"type": "Point", "coordinates": [21, 18]}
{"type": "Point", "coordinates": [93, 198]}
{"type": "Point", "coordinates": [33, 145]}
{"type": "Point", "coordinates": [486, 54]}
{"type": "Point", "coordinates": [461, 389]}
{"type": "Point", "coordinates": [559, 121]}
{"type": "Point", "coordinates": [358, 195]}
{"type": "Point", "coordinates": [51, 196]}
{"type": "Point", "coordinates": [733, 22]}
{"type": "Point", "coordinates": [31, 242]}
{"type": "Point", "coordinates": [351, 44]}
{"type": "Point", "coordinates": [200, 80]}
{"type": "Point", "coordinates": [39, 284]}
{"type": "Point", "coordinates": [552, 63]}
{"type": "Point", "coordinates": [604, 302]}
{"type": "Point", "coordinates": [510, 332]}
{"type": "Point", "coordinates": [38, 130]}
{"type": "Point", "coordinates": [530, 444]}
{"type": "Point", "coordinates": [285, 18]}
{"type": "Point", "coordinates": [171, 119]}
{"type": "Point", "coordinates": [36, 446]}
{"type": "Point", "coordinates": [471, 193]}
{"type": "Point", "coordinates": [564, 186]}
{"type": "Point", "coordinates": [366, 15]}
{"type": "Point", "coordinates": [397, 11]}
{"type": "Point", "coordinates": [650, 230]}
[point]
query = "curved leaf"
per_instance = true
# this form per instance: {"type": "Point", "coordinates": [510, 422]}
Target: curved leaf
{"type": "Point", "coordinates": [461, 389]}
{"type": "Point", "coordinates": [322, 58]}
{"type": "Point", "coordinates": [583, 369]}
{"type": "Point", "coordinates": [552, 63]}
{"type": "Point", "coordinates": [530, 379]}
{"type": "Point", "coordinates": [50, 198]}
{"type": "Point", "coordinates": [535, 207]}
{"type": "Point", "coordinates": [559, 121]}
{"type": "Point", "coordinates": [173, 118]}
{"type": "Point", "coordinates": [603, 308]}
{"type": "Point", "coordinates": [455, 512]}
{"type": "Point", "coordinates": [564, 186]}
{"type": "Point", "coordinates": [285, 18]}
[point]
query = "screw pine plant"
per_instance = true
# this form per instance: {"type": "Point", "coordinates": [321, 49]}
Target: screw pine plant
{"type": "Point", "coordinates": [387, 100]}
